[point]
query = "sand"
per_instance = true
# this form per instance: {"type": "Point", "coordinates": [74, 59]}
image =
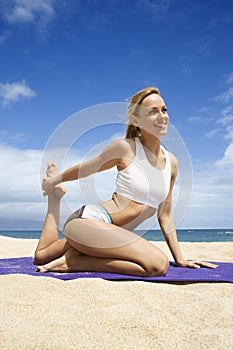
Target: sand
{"type": "Point", "coordinates": [45, 313]}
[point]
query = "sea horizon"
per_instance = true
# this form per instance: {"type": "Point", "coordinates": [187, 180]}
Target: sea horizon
{"type": "Point", "coordinates": [184, 235]}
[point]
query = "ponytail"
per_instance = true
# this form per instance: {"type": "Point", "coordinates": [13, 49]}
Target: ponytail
{"type": "Point", "coordinates": [132, 131]}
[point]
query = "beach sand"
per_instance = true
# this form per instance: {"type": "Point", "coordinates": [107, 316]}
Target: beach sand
{"type": "Point", "coordinates": [46, 313]}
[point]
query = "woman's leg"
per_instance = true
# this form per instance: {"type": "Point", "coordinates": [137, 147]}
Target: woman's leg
{"type": "Point", "coordinates": [108, 248]}
{"type": "Point", "coordinates": [49, 246]}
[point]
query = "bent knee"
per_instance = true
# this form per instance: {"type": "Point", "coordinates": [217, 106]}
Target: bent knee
{"type": "Point", "coordinates": [157, 269]}
{"type": "Point", "coordinates": [39, 258]}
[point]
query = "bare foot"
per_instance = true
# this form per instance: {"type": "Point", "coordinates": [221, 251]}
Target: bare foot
{"type": "Point", "coordinates": [59, 190]}
{"type": "Point", "coordinates": [67, 263]}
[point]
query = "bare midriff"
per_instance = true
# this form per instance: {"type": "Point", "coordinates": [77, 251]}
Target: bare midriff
{"type": "Point", "coordinates": [127, 213]}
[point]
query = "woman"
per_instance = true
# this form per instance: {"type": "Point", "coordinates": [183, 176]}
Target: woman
{"type": "Point", "coordinates": [99, 237]}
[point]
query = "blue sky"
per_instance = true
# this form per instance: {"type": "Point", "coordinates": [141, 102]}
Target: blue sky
{"type": "Point", "coordinates": [60, 57]}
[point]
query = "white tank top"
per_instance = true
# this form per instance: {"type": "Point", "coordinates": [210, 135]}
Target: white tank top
{"type": "Point", "coordinates": [142, 182]}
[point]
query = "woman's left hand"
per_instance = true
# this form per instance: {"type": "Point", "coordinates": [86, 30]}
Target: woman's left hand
{"type": "Point", "coordinates": [196, 264]}
{"type": "Point", "coordinates": [48, 185]}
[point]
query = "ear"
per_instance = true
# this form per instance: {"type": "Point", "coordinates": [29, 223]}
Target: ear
{"type": "Point", "coordinates": [134, 120]}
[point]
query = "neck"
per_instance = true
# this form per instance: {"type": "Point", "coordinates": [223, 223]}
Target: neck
{"type": "Point", "coordinates": [151, 142]}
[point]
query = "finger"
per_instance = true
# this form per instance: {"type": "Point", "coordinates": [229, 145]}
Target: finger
{"type": "Point", "coordinates": [196, 266]}
{"type": "Point", "coordinates": [43, 183]}
{"type": "Point", "coordinates": [47, 193]}
{"type": "Point", "coordinates": [193, 265]}
{"type": "Point", "coordinates": [210, 265]}
{"type": "Point", "coordinates": [205, 264]}
{"type": "Point", "coordinates": [49, 166]}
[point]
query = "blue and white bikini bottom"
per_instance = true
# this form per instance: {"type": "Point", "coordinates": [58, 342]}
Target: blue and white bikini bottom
{"type": "Point", "coordinates": [92, 211]}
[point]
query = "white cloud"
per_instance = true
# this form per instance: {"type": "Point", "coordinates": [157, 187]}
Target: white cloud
{"type": "Point", "coordinates": [13, 92]}
{"type": "Point", "coordinates": [194, 119]}
{"type": "Point", "coordinates": [212, 133]}
{"type": "Point", "coordinates": [20, 183]}
{"type": "Point", "coordinates": [19, 173]}
{"type": "Point", "coordinates": [11, 138]}
{"type": "Point", "coordinates": [227, 116]}
{"type": "Point", "coordinates": [226, 121]}
{"type": "Point", "coordinates": [225, 97]}
{"type": "Point", "coordinates": [230, 78]}
{"type": "Point", "coordinates": [227, 160]}
{"type": "Point", "coordinates": [203, 117]}
{"type": "Point", "coordinates": [21, 11]}
{"type": "Point", "coordinates": [38, 13]}
{"type": "Point", "coordinates": [211, 204]}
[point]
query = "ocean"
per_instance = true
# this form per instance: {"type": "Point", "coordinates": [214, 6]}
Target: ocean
{"type": "Point", "coordinates": [191, 235]}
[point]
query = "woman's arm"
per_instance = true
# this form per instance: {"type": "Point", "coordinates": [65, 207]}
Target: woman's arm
{"type": "Point", "coordinates": [108, 158]}
{"type": "Point", "coordinates": [165, 217]}
{"type": "Point", "coordinates": [166, 221]}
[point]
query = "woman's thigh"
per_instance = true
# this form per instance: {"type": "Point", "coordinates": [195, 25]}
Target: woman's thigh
{"type": "Point", "coordinates": [100, 239]}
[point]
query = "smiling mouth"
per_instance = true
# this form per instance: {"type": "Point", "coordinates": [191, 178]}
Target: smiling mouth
{"type": "Point", "coordinates": [161, 126]}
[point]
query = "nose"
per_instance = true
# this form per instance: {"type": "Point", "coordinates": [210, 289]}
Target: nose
{"type": "Point", "coordinates": [161, 117]}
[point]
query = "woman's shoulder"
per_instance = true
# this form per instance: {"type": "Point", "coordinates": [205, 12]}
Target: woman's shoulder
{"type": "Point", "coordinates": [123, 145]}
{"type": "Point", "coordinates": [174, 163]}
{"type": "Point", "coordinates": [173, 159]}
{"type": "Point", "coordinates": [119, 149]}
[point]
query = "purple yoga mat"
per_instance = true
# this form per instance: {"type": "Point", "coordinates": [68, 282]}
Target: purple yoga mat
{"type": "Point", "coordinates": [224, 272]}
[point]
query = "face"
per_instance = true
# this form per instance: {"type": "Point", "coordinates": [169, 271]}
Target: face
{"type": "Point", "coordinates": [153, 116]}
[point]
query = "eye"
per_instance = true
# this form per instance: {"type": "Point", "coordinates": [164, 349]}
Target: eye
{"type": "Point", "coordinates": [164, 110]}
{"type": "Point", "coordinates": [152, 112]}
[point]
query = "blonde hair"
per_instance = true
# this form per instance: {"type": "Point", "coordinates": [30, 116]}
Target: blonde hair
{"type": "Point", "coordinates": [133, 131]}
